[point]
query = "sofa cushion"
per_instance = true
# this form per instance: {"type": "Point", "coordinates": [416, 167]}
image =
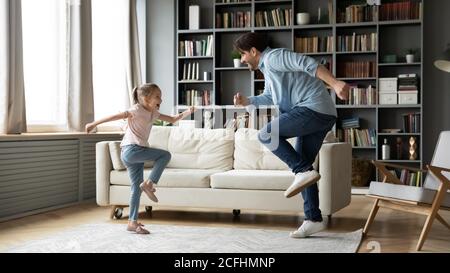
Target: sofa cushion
{"type": "Point", "coordinates": [410, 193]}
{"type": "Point", "coordinates": [171, 178]}
{"type": "Point", "coordinates": [250, 154]}
{"type": "Point", "coordinates": [252, 180]}
{"type": "Point", "coordinates": [118, 165]}
{"type": "Point", "coordinates": [195, 148]}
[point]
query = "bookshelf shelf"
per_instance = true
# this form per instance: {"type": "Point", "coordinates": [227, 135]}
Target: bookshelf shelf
{"type": "Point", "coordinates": [400, 106]}
{"type": "Point", "coordinates": [234, 4]}
{"type": "Point", "coordinates": [313, 26]}
{"type": "Point", "coordinates": [231, 68]}
{"type": "Point", "coordinates": [355, 52]}
{"type": "Point", "coordinates": [399, 134]}
{"type": "Point", "coordinates": [358, 79]}
{"type": "Point", "coordinates": [394, 37]}
{"type": "Point", "coordinates": [360, 24]}
{"type": "Point", "coordinates": [272, 28]}
{"type": "Point", "coordinates": [356, 106]}
{"type": "Point", "coordinates": [195, 31]}
{"type": "Point", "coordinates": [188, 82]}
{"type": "Point", "coordinates": [194, 57]}
{"type": "Point", "coordinates": [401, 161]}
{"type": "Point", "coordinates": [400, 22]}
{"type": "Point", "coordinates": [233, 29]}
{"type": "Point", "coordinates": [273, 2]}
{"type": "Point", "coordinates": [399, 64]}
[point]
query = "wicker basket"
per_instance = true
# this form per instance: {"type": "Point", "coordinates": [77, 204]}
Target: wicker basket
{"type": "Point", "coordinates": [362, 170]}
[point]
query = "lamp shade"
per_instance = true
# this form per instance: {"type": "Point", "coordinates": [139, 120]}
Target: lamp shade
{"type": "Point", "coordinates": [443, 65]}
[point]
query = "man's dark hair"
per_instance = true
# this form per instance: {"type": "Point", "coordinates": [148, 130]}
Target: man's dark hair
{"type": "Point", "coordinates": [251, 39]}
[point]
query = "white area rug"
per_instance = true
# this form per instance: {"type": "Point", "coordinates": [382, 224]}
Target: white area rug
{"type": "Point", "coordinates": [186, 239]}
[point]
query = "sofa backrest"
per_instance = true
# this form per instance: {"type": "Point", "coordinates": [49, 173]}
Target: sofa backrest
{"type": "Point", "coordinates": [250, 154]}
{"type": "Point", "coordinates": [195, 148]}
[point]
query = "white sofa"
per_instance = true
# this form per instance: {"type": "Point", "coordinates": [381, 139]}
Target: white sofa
{"type": "Point", "coordinates": [222, 169]}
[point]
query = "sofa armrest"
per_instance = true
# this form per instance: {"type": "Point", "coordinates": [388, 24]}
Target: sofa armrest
{"type": "Point", "coordinates": [335, 168]}
{"type": "Point", "coordinates": [103, 170]}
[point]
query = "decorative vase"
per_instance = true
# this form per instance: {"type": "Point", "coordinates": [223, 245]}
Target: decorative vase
{"type": "Point", "coordinates": [409, 58]}
{"type": "Point", "coordinates": [303, 18]}
{"type": "Point", "coordinates": [412, 148]}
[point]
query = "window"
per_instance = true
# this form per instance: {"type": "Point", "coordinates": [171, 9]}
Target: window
{"type": "Point", "coordinates": [44, 57]}
{"type": "Point", "coordinates": [108, 57]}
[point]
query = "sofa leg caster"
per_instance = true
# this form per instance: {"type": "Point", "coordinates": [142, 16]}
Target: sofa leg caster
{"type": "Point", "coordinates": [148, 209]}
{"type": "Point", "coordinates": [116, 212]}
{"type": "Point", "coordinates": [236, 212]}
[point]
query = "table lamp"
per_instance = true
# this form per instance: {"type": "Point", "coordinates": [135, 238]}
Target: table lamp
{"type": "Point", "coordinates": [443, 65]}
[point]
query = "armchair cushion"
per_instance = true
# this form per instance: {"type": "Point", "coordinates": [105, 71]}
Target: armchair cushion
{"type": "Point", "coordinates": [404, 192]}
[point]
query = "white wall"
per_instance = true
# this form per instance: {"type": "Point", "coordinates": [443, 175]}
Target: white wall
{"type": "Point", "coordinates": [161, 49]}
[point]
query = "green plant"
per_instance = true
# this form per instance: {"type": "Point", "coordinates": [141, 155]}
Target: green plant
{"type": "Point", "coordinates": [411, 51]}
{"type": "Point", "coordinates": [235, 54]}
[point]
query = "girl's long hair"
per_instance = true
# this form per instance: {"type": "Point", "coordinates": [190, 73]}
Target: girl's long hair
{"type": "Point", "coordinates": [143, 91]}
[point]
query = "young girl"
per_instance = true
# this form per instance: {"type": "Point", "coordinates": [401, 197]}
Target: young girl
{"type": "Point", "coordinates": [135, 150]}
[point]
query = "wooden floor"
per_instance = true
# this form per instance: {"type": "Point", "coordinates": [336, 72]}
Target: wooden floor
{"type": "Point", "coordinates": [392, 231]}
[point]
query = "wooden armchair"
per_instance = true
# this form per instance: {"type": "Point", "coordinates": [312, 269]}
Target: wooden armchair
{"type": "Point", "coordinates": [426, 200]}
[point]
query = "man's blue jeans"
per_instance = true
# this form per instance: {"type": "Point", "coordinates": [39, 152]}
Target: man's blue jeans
{"type": "Point", "coordinates": [310, 128]}
{"type": "Point", "coordinates": [134, 157]}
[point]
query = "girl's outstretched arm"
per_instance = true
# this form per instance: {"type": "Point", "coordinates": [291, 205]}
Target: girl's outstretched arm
{"type": "Point", "coordinates": [91, 126]}
{"type": "Point", "coordinates": [173, 119]}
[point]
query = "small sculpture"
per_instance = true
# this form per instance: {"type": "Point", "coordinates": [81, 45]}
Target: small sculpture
{"type": "Point", "coordinates": [208, 119]}
{"type": "Point", "coordinates": [412, 148]}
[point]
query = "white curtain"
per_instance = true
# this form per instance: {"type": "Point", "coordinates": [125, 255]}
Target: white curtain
{"type": "Point", "coordinates": [12, 93]}
{"type": "Point", "coordinates": [79, 85]}
{"type": "Point", "coordinates": [132, 57]}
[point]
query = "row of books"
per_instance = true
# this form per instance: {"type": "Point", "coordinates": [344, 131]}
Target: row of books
{"type": "Point", "coordinates": [358, 13]}
{"type": "Point", "coordinates": [361, 96]}
{"type": "Point", "coordinates": [195, 97]}
{"type": "Point", "coordinates": [360, 42]}
{"type": "Point", "coordinates": [408, 82]}
{"type": "Point", "coordinates": [237, 19]}
{"type": "Point", "coordinates": [314, 44]}
{"type": "Point", "coordinates": [191, 71]}
{"type": "Point", "coordinates": [274, 18]}
{"type": "Point", "coordinates": [405, 10]}
{"type": "Point", "coordinates": [411, 122]}
{"type": "Point", "coordinates": [409, 10]}
{"type": "Point", "coordinates": [357, 69]}
{"type": "Point", "coordinates": [358, 138]}
{"type": "Point", "coordinates": [352, 122]}
{"type": "Point", "coordinates": [189, 48]}
{"type": "Point", "coordinates": [411, 178]}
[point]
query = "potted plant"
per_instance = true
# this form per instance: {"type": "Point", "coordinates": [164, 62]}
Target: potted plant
{"type": "Point", "coordinates": [410, 56]}
{"type": "Point", "coordinates": [236, 56]}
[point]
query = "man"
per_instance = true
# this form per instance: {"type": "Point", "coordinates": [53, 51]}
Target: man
{"type": "Point", "coordinates": [294, 83]}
